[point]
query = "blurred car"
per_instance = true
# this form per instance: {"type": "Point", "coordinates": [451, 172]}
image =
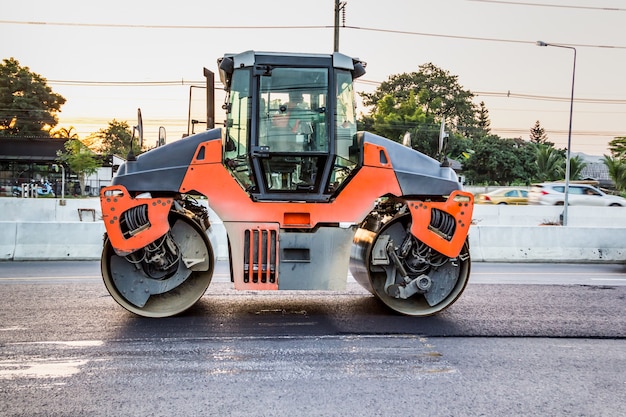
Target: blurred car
{"type": "Point", "coordinates": [553, 194]}
{"type": "Point", "coordinates": [510, 195]}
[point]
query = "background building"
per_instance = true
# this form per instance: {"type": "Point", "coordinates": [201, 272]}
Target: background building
{"type": "Point", "coordinates": [33, 160]}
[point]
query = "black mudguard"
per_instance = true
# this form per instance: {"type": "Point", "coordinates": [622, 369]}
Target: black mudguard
{"type": "Point", "coordinates": [417, 174]}
{"type": "Point", "coordinates": [162, 169]}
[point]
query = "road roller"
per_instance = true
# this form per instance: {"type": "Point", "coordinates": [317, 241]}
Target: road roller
{"type": "Point", "coordinates": [304, 198]}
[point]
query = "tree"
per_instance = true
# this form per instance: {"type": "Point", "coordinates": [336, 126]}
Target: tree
{"type": "Point", "coordinates": [526, 169]}
{"type": "Point", "coordinates": [576, 166]}
{"type": "Point", "coordinates": [65, 133]}
{"type": "Point", "coordinates": [550, 163]}
{"type": "Point", "coordinates": [617, 147]}
{"type": "Point", "coordinates": [425, 138]}
{"type": "Point", "coordinates": [394, 116]}
{"type": "Point", "coordinates": [483, 122]}
{"type": "Point", "coordinates": [459, 147]}
{"type": "Point", "coordinates": [27, 105]}
{"type": "Point", "coordinates": [500, 161]}
{"type": "Point", "coordinates": [115, 140]}
{"type": "Point", "coordinates": [80, 159]}
{"type": "Point", "coordinates": [617, 171]}
{"type": "Point", "coordinates": [417, 102]}
{"type": "Point", "coordinates": [538, 135]}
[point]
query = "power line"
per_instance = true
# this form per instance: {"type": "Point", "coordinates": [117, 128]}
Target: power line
{"type": "Point", "coordinates": [508, 94]}
{"type": "Point", "coordinates": [562, 6]}
{"type": "Point", "coordinates": [562, 132]}
{"type": "Point", "coordinates": [477, 38]}
{"type": "Point", "coordinates": [358, 28]}
{"type": "Point", "coordinates": [83, 83]}
{"type": "Point", "coordinates": [434, 128]}
{"type": "Point", "coordinates": [139, 26]}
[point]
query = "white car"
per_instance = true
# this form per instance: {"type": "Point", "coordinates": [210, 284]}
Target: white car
{"type": "Point", "coordinates": [553, 193]}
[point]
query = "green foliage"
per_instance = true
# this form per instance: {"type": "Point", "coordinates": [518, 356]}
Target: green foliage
{"type": "Point", "coordinates": [394, 116]}
{"type": "Point", "coordinates": [65, 133]}
{"type": "Point", "coordinates": [617, 171]}
{"type": "Point", "coordinates": [616, 163]}
{"type": "Point", "coordinates": [425, 138]}
{"type": "Point", "coordinates": [617, 147]}
{"type": "Point", "coordinates": [459, 147]}
{"type": "Point", "coordinates": [576, 166]}
{"type": "Point", "coordinates": [416, 102]}
{"type": "Point", "coordinates": [500, 161]}
{"type": "Point", "coordinates": [28, 106]}
{"type": "Point", "coordinates": [115, 140]}
{"type": "Point", "coordinates": [79, 158]}
{"type": "Point", "coordinates": [538, 135]}
{"type": "Point", "coordinates": [483, 123]}
{"type": "Point", "coordinates": [550, 163]}
{"type": "Point", "coordinates": [526, 170]}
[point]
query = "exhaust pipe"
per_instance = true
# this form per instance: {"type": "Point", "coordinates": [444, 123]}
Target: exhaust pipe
{"type": "Point", "coordinates": [210, 98]}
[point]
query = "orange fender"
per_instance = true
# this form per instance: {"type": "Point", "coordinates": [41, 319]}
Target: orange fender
{"type": "Point", "coordinates": [460, 205]}
{"type": "Point", "coordinates": [115, 200]}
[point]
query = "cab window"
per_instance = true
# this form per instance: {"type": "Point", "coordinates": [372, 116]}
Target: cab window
{"type": "Point", "coordinates": [292, 110]}
{"type": "Point", "coordinates": [238, 112]}
{"type": "Point", "coordinates": [348, 155]}
{"type": "Point", "coordinates": [293, 131]}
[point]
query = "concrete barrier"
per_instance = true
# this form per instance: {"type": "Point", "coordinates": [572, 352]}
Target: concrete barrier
{"type": "Point", "coordinates": [8, 231]}
{"type": "Point", "coordinates": [577, 216]}
{"type": "Point", "coordinates": [58, 241]}
{"type": "Point", "coordinates": [547, 244]}
{"type": "Point", "coordinates": [46, 209]}
{"type": "Point", "coordinates": [42, 229]}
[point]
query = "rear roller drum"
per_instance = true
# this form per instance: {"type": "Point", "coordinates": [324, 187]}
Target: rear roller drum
{"type": "Point", "coordinates": [408, 276]}
{"type": "Point", "coordinates": [166, 277]}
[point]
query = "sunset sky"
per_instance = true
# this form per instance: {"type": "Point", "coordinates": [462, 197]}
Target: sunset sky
{"type": "Point", "coordinates": [110, 58]}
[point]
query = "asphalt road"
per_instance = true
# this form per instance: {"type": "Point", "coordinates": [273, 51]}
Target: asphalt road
{"type": "Point", "coordinates": [522, 340]}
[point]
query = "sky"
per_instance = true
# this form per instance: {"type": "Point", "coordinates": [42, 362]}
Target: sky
{"type": "Point", "coordinates": [110, 58]}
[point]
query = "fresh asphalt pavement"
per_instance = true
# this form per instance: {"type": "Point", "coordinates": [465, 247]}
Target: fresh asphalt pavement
{"type": "Point", "coordinates": [524, 339]}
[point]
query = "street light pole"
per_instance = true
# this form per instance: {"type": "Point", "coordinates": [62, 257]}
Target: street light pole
{"type": "Point", "coordinates": [569, 134]}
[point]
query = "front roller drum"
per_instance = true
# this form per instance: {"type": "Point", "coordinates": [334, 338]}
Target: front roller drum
{"type": "Point", "coordinates": [405, 274]}
{"type": "Point", "coordinates": [166, 278]}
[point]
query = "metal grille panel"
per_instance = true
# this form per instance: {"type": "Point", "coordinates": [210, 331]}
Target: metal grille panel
{"type": "Point", "coordinates": [260, 256]}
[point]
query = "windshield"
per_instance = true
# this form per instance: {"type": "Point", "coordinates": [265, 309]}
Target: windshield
{"type": "Point", "coordinates": [292, 110]}
{"type": "Point", "coordinates": [293, 127]}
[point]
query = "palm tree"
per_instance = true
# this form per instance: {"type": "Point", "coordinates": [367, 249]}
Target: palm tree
{"type": "Point", "coordinates": [617, 171]}
{"type": "Point", "coordinates": [64, 133]}
{"type": "Point", "coordinates": [549, 163]}
{"type": "Point", "coordinates": [576, 165]}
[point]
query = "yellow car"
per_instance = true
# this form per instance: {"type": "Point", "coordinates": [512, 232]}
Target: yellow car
{"type": "Point", "coordinates": [510, 195]}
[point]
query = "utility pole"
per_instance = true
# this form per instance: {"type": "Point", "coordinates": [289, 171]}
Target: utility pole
{"type": "Point", "coordinates": [339, 6]}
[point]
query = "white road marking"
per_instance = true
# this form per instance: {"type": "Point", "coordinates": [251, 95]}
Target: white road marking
{"type": "Point", "coordinates": [57, 368]}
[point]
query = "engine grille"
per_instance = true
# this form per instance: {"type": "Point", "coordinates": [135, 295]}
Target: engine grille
{"type": "Point", "coordinates": [260, 256]}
